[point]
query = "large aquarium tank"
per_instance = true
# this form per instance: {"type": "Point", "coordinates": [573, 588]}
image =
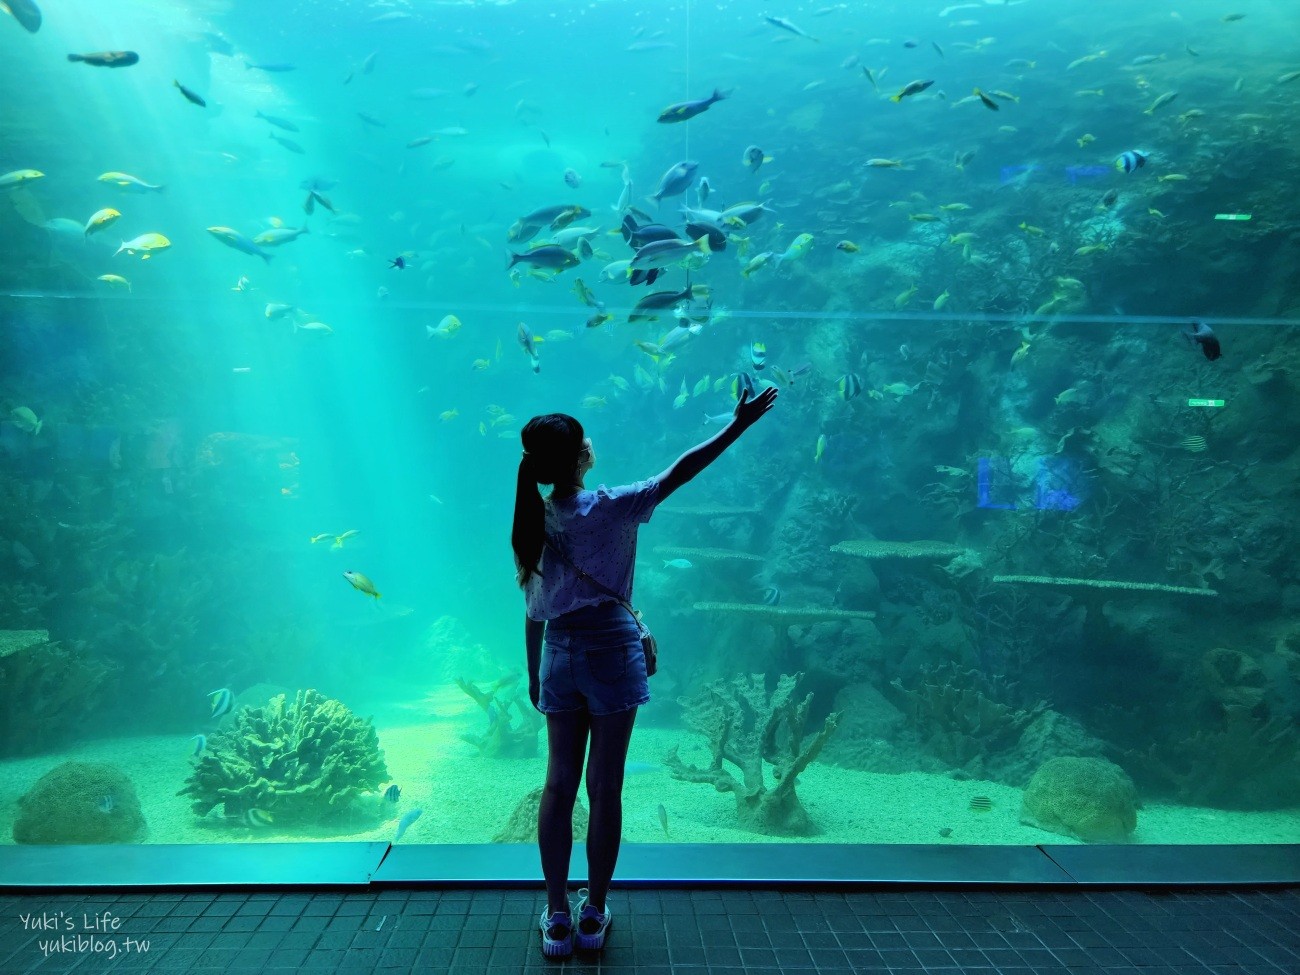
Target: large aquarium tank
{"type": "Point", "coordinates": [1012, 561]}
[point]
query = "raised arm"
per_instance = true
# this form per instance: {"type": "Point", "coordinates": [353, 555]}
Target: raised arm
{"type": "Point", "coordinates": [748, 412]}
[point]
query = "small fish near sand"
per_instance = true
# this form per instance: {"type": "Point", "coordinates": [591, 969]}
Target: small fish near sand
{"type": "Point", "coordinates": [405, 822]}
{"type": "Point", "coordinates": [107, 59]}
{"type": "Point", "coordinates": [222, 701]}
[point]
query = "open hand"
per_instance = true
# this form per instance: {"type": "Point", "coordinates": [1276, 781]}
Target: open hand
{"type": "Point", "coordinates": [748, 411]}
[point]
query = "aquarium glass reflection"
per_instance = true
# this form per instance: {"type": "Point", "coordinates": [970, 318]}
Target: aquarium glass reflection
{"type": "Point", "coordinates": [1012, 560]}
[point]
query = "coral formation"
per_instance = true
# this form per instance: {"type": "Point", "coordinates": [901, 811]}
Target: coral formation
{"type": "Point", "coordinates": [705, 554]}
{"type": "Point", "coordinates": [963, 717]}
{"type": "Point", "coordinates": [1089, 799]}
{"type": "Point", "coordinates": [304, 762]}
{"type": "Point", "coordinates": [786, 613]}
{"type": "Point", "coordinates": [506, 736]}
{"type": "Point", "coordinates": [41, 684]}
{"type": "Point", "coordinates": [871, 548]}
{"type": "Point", "coordinates": [1105, 584]}
{"type": "Point", "coordinates": [80, 802]}
{"type": "Point", "coordinates": [522, 825]}
{"type": "Point", "coordinates": [746, 726]}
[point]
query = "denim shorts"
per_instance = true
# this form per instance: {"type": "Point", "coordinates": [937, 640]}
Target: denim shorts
{"type": "Point", "coordinates": [592, 660]}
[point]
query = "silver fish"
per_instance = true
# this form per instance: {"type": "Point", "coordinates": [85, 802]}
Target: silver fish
{"type": "Point", "coordinates": [676, 180]}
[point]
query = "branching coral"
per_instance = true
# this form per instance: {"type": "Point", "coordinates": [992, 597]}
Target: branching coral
{"type": "Point", "coordinates": [506, 736]}
{"type": "Point", "coordinates": [962, 716]}
{"type": "Point", "coordinates": [745, 726]}
{"type": "Point", "coordinates": [304, 762]}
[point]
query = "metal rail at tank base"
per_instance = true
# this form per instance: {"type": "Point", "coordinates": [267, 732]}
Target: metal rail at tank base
{"type": "Point", "coordinates": [772, 865]}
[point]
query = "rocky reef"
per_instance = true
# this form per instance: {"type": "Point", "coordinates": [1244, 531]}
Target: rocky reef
{"type": "Point", "coordinates": [305, 762]}
{"type": "Point", "coordinates": [41, 684]}
{"type": "Point", "coordinates": [748, 727]}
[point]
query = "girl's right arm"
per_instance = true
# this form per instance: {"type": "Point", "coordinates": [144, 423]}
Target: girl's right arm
{"type": "Point", "coordinates": [748, 412]}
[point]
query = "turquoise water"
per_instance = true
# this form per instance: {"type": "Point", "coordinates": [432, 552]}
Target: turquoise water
{"type": "Point", "coordinates": [981, 343]}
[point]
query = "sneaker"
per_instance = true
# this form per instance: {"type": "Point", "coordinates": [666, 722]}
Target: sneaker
{"type": "Point", "coordinates": [557, 934]}
{"type": "Point", "coordinates": [592, 925]}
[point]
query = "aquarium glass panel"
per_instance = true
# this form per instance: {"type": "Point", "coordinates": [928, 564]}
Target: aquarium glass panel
{"type": "Point", "coordinates": [1010, 560]}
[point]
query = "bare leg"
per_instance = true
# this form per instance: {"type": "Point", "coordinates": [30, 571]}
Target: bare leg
{"type": "Point", "coordinates": [566, 736]}
{"type": "Point", "coordinates": [610, 734]}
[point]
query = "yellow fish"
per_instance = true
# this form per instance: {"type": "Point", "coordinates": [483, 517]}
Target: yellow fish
{"type": "Point", "coordinates": [821, 448]}
{"type": "Point", "coordinates": [321, 537]}
{"type": "Point", "coordinates": [480, 364]}
{"type": "Point", "coordinates": [116, 280]}
{"type": "Point", "coordinates": [1084, 139]}
{"type": "Point", "coordinates": [146, 244]}
{"type": "Point", "coordinates": [340, 539]}
{"type": "Point", "coordinates": [1031, 231]}
{"type": "Point", "coordinates": [905, 297]}
{"type": "Point", "coordinates": [1092, 249]}
{"type": "Point", "coordinates": [1020, 353]}
{"type": "Point", "coordinates": [954, 206]}
{"type": "Point", "coordinates": [19, 176]}
{"type": "Point", "coordinates": [100, 219]}
{"type": "Point", "coordinates": [445, 329]}
{"type": "Point", "coordinates": [446, 415]}
{"type": "Point", "coordinates": [941, 301]}
{"type": "Point", "coordinates": [361, 583]}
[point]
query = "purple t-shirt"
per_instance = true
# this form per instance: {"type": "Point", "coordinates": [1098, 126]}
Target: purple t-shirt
{"type": "Point", "coordinates": [597, 530]}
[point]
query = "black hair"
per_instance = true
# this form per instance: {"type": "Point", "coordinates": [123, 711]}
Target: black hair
{"type": "Point", "coordinates": [552, 445]}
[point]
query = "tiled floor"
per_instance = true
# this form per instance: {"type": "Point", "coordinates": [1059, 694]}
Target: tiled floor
{"type": "Point", "coordinates": [656, 932]}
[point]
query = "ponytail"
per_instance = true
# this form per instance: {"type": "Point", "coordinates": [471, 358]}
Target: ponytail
{"type": "Point", "coordinates": [552, 443]}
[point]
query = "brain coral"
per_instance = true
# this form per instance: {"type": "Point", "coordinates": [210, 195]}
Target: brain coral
{"type": "Point", "coordinates": [80, 802]}
{"type": "Point", "coordinates": [1089, 799]}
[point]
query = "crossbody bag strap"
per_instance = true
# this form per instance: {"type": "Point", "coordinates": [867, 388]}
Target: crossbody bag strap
{"type": "Point", "coordinates": [599, 585]}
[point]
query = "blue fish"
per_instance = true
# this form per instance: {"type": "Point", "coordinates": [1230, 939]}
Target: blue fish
{"type": "Point", "coordinates": [200, 743]}
{"type": "Point", "coordinates": [222, 701]}
{"type": "Point", "coordinates": [772, 595]}
{"type": "Point", "coordinates": [404, 823]}
{"type": "Point", "coordinates": [256, 817]}
{"type": "Point", "coordinates": [105, 804]}
{"type": "Point", "coordinates": [688, 110]}
{"type": "Point", "coordinates": [1131, 160]}
{"type": "Point", "coordinates": [393, 792]}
